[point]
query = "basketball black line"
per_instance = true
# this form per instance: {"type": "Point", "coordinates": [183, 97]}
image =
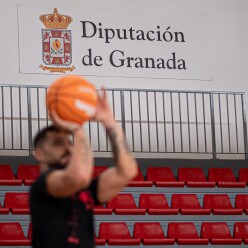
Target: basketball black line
{"type": "Point", "coordinates": [59, 87]}
{"type": "Point", "coordinates": [57, 94]}
{"type": "Point", "coordinates": [62, 99]}
{"type": "Point", "coordinates": [71, 95]}
{"type": "Point", "coordinates": [65, 105]}
{"type": "Point", "coordinates": [53, 94]}
{"type": "Point", "coordinates": [75, 116]}
{"type": "Point", "coordinates": [66, 109]}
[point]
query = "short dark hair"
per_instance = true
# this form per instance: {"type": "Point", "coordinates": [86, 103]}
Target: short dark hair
{"type": "Point", "coordinates": [41, 135]}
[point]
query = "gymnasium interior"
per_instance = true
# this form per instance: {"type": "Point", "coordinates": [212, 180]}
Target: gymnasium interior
{"type": "Point", "coordinates": [176, 77]}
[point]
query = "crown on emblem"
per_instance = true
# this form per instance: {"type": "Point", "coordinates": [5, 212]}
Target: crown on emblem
{"type": "Point", "coordinates": [56, 20]}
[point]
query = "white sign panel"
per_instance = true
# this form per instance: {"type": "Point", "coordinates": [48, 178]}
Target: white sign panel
{"type": "Point", "coordinates": [116, 43]}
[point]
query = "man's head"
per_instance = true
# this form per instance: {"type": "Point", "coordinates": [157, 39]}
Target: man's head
{"type": "Point", "coordinates": [53, 146]}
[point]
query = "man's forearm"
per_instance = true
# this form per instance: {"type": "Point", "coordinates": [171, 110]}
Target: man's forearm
{"type": "Point", "coordinates": [125, 163]}
{"type": "Point", "coordinates": [82, 158]}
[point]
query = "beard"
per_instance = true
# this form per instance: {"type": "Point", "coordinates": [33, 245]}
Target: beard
{"type": "Point", "coordinates": [58, 164]}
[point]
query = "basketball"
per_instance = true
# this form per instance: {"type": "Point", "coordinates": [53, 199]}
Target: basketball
{"type": "Point", "coordinates": [73, 98]}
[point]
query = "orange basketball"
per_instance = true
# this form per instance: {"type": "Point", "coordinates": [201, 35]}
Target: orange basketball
{"type": "Point", "coordinates": [73, 98]}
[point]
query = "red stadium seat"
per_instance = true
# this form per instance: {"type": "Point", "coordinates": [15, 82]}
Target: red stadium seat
{"type": "Point", "coordinates": [7, 176]}
{"type": "Point", "coordinates": [243, 175]}
{"type": "Point", "coordinates": [220, 204]}
{"type": "Point", "coordinates": [18, 203]}
{"type": "Point", "coordinates": [28, 173]}
{"type": "Point", "coordinates": [194, 177]}
{"type": "Point", "coordinates": [218, 233]}
{"type": "Point", "coordinates": [241, 202]}
{"type": "Point", "coordinates": [151, 233]}
{"type": "Point", "coordinates": [155, 204]}
{"type": "Point", "coordinates": [124, 204]}
{"type": "Point", "coordinates": [163, 177]}
{"type": "Point", "coordinates": [3, 210]}
{"type": "Point", "coordinates": [188, 204]}
{"type": "Point", "coordinates": [11, 234]}
{"type": "Point", "coordinates": [30, 231]}
{"type": "Point", "coordinates": [240, 231]}
{"type": "Point", "coordinates": [99, 241]}
{"type": "Point", "coordinates": [117, 234]}
{"type": "Point", "coordinates": [224, 178]}
{"type": "Point", "coordinates": [185, 234]}
{"type": "Point", "coordinates": [139, 181]}
{"type": "Point", "coordinates": [101, 210]}
{"type": "Point", "coordinates": [98, 170]}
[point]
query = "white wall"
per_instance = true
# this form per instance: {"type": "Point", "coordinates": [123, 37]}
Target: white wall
{"type": "Point", "coordinates": [229, 41]}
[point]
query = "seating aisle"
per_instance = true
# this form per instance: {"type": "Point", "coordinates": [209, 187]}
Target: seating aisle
{"type": "Point", "coordinates": [157, 209]}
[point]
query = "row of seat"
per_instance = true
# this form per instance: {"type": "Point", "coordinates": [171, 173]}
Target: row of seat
{"type": "Point", "coordinates": [194, 177]}
{"type": "Point", "coordinates": [153, 204]}
{"type": "Point", "coordinates": [25, 174]}
{"type": "Point", "coordinates": [147, 233]}
{"type": "Point", "coordinates": [158, 176]}
{"type": "Point", "coordinates": [184, 233]}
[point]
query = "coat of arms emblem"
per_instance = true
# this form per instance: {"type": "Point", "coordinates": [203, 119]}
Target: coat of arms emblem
{"type": "Point", "coordinates": [56, 42]}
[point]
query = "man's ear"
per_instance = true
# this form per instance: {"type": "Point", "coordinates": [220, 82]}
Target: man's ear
{"type": "Point", "coordinates": [39, 155]}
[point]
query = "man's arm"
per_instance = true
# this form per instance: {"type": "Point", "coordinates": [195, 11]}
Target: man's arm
{"type": "Point", "coordinates": [115, 178]}
{"type": "Point", "coordinates": [77, 175]}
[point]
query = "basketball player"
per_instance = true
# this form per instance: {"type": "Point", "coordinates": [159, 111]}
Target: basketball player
{"type": "Point", "coordinates": [63, 197]}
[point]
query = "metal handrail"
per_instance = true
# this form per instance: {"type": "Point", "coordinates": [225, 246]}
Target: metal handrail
{"type": "Point", "coordinates": [157, 121]}
{"type": "Point", "coordinates": [132, 89]}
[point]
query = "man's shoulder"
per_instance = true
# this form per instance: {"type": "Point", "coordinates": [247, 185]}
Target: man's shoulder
{"type": "Point", "coordinates": [40, 182]}
{"type": "Point", "coordinates": [39, 185]}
